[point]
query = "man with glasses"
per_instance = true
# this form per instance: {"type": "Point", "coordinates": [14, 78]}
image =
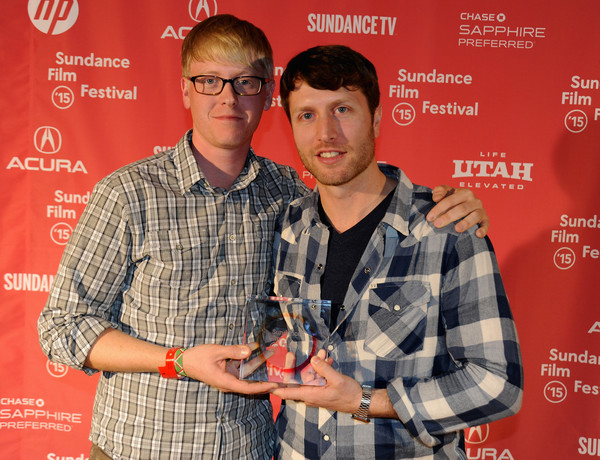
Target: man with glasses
{"type": "Point", "coordinates": [153, 282]}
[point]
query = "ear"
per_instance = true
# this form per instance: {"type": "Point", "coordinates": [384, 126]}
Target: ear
{"type": "Point", "coordinates": [377, 115]}
{"type": "Point", "coordinates": [185, 90]}
{"type": "Point", "coordinates": [269, 90]}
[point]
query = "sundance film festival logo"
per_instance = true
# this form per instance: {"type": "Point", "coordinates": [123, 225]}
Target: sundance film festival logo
{"type": "Point", "coordinates": [53, 17]}
{"type": "Point", "coordinates": [201, 9]}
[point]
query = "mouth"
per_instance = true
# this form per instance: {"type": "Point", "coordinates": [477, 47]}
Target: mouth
{"type": "Point", "coordinates": [228, 118]}
{"type": "Point", "coordinates": [330, 154]}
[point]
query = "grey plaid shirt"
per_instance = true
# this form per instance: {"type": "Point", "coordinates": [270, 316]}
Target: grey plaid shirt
{"type": "Point", "coordinates": [425, 317]}
{"type": "Point", "coordinates": [161, 255]}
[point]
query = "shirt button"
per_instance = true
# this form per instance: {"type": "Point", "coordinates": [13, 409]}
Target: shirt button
{"type": "Point", "coordinates": [179, 247]}
{"type": "Point", "coordinates": [320, 267]}
{"type": "Point", "coordinates": [397, 307]}
{"type": "Point", "coordinates": [367, 270]}
{"type": "Point", "coordinates": [330, 347]}
{"type": "Point", "coordinates": [232, 237]}
{"type": "Point", "coordinates": [326, 438]}
{"type": "Point", "coordinates": [233, 282]}
{"type": "Point", "coordinates": [231, 326]}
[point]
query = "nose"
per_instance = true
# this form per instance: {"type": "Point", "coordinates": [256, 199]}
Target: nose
{"type": "Point", "coordinates": [328, 129]}
{"type": "Point", "coordinates": [228, 95]}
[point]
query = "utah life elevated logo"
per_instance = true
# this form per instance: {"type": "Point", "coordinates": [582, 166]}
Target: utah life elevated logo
{"type": "Point", "coordinates": [53, 17]}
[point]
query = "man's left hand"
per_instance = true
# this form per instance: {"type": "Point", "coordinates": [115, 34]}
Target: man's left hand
{"type": "Point", "coordinates": [340, 393]}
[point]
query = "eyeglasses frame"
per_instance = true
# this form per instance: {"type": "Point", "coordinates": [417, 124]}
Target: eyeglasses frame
{"type": "Point", "coordinates": [262, 80]}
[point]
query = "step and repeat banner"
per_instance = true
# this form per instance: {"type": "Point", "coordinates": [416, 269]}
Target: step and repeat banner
{"type": "Point", "coordinates": [501, 97]}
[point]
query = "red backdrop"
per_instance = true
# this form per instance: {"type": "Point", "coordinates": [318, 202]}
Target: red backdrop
{"type": "Point", "coordinates": [501, 97]}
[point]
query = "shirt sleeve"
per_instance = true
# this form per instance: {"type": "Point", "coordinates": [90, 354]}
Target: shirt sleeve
{"type": "Point", "coordinates": [485, 379]}
{"type": "Point", "coordinates": [85, 294]}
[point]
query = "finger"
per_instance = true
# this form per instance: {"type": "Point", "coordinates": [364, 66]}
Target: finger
{"type": "Point", "coordinates": [237, 351]}
{"type": "Point", "coordinates": [484, 227]}
{"type": "Point", "coordinates": [323, 368]}
{"type": "Point", "coordinates": [294, 393]}
{"type": "Point", "coordinates": [441, 191]}
{"type": "Point", "coordinates": [247, 387]}
{"type": "Point", "coordinates": [442, 207]}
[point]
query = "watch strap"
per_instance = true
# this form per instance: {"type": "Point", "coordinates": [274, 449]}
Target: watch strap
{"type": "Point", "coordinates": [362, 413]}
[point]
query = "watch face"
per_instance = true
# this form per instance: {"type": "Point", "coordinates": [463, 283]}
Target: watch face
{"type": "Point", "coordinates": [285, 334]}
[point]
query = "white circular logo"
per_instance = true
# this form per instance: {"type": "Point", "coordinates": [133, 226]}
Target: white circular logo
{"type": "Point", "coordinates": [564, 258]}
{"type": "Point", "coordinates": [403, 114]}
{"type": "Point", "coordinates": [555, 392]}
{"type": "Point", "coordinates": [56, 370]}
{"type": "Point", "coordinates": [60, 233]}
{"type": "Point", "coordinates": [62, 97]}
{"type": "Point", "coordinates": [53, 17]}
{"type": "Point", "coordinates": [576, 121]}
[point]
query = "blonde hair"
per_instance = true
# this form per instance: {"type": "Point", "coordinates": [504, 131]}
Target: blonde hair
{"type": "Point", "coordinates": [226, 39]}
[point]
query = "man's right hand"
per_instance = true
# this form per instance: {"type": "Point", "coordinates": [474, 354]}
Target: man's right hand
{"type": "Point", "coordinates": [210, 364]}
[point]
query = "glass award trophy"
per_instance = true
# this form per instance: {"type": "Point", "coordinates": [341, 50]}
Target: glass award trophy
{"type": "Point", "coordinates": [284, 334]}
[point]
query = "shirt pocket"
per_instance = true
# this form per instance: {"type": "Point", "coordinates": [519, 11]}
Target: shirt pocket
{"type": "Point", "coordinates": [397, 320]}
{"type": "Point", "coordinates": [287, 286]}
{"type": "Point", "coordinates": [176, 260]}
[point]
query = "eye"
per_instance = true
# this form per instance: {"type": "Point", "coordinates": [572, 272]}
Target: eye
{"type": "Point", "coordinates": [207, 80]}
{"type": "Point", "coordinates": [342, 109]}
{"type": "Point", "coordinates": [306, 116]}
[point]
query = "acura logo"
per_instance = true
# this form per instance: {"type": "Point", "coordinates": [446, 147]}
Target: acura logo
{"type": "Point", "coordinates": [47, 139]}
{"type": "Point", "coordinates": [477, 434]}
{"type": "Point", "coordinates": [201, 9]}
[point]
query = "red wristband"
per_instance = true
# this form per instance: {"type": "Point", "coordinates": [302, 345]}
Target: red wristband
{"type": "Point", "coordinates": [168, 371]}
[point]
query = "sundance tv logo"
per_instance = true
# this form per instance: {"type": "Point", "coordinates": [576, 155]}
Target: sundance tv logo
{"type": "Point", "coordinates": [53, 17]}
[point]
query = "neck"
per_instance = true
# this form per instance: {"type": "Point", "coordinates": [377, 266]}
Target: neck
{"type": "Point", "coordinates": [346, 205]}
{"type": "Point", "coordinates": [220, 166]}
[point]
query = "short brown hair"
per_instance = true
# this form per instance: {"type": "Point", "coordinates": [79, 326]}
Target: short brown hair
{"type": "Point", "coordinates": [224, 38]}
{"type": "Point", "coordinates": [331, 67]}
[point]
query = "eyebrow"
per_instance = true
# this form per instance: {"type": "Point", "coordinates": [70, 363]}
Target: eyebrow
{"type": "Point", "coordinates": [333, 103]}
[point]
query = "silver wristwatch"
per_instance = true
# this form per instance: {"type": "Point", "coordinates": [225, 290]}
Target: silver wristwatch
{"type": "Point", "coordinates": [362, 414]}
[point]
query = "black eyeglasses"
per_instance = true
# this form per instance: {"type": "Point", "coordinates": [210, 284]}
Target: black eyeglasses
{"type": "Point", "coordinates": [242, 86]}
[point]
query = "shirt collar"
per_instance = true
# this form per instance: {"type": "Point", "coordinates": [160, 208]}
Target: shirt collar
{"type": "Point", "coordinates": [398, 212]}
{"type": "Point", "coordinates": [188, 173]}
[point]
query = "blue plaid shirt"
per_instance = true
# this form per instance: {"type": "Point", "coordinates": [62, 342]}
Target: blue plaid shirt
{"type": "Point", "coordinates": [425, 317]}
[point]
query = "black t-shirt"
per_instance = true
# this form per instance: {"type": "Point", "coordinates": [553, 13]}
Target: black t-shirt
{"type": "Point", "coordinates": [344, 251]}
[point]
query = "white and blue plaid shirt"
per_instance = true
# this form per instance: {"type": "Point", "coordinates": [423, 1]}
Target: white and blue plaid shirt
{"type": "Point", "coordinates": [425, 317]}
{"type": "Point", "coordinates": [161, 255]}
